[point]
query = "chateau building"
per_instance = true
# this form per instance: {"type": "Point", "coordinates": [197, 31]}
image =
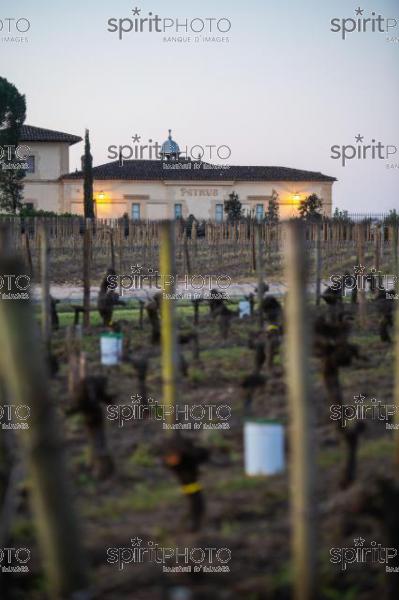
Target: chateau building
{"type": "Point", "coordinates": [170, 187]}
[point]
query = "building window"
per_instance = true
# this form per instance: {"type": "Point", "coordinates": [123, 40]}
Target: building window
{"type": "Point", "coordinates": [30, 161]}
{"type": "Point", "coordinates": [260, 212]}
{"type": "Point", "coordinates": [178, 211]}
{"type": "Point", "coordinates": [219, 213]}
{"type": "Point", "coordinates": [29, 205]}
{"type": "Point", "coordinates": [136, 212]}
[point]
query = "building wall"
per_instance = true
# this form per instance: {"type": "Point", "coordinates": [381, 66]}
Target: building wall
{"type": "Point", "coordinates": [42, 188]}
{"type": "Point", "coordinates": [43, 195]}
{"type": "Point", "coordinates": [157, 200]}
{"type": "Point", "coordinates": [154, 199]}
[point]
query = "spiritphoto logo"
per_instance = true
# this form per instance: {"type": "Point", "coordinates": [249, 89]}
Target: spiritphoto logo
{"type": "Point", "coordinates": [14, 416]}
{"type": "Point", "coordinates": [363, 554]}
{"type": "Point", "coordinates": [171, 559]}
{"type": "Point", "coordinates": [14, 560]}
{"type": "Point", "coordinates": [363, 409]}
{"type": "Point", "coordinates": [186, 416]}
{"type": "Point", "coordinates": [9, 284]}
{"type": "Point", "coordinates": [13, 158]}
{"type": "Point", "coordinates": [192, 287]}
{"type": "Point", "coordinates": [365, 23]}
{"type": "Point", "coordinates": [172, 29]}
{"type": "Point", "coordinates": [152, 150]}
{"type": "Point", "coordinates": [363, 279]}
{"type": "Point", "coordinates": [13, 29]}
{"type": "Point", "coordinates": [363, 150]}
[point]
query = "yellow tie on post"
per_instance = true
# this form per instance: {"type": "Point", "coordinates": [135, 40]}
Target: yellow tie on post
{"type": "Point", "coordinates": [168, 321]}
{"type": "Point", "coordinates": [191, 488]}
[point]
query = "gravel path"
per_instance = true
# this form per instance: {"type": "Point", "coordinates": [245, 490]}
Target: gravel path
{"type": "Point", "coordinates": [68, 293]}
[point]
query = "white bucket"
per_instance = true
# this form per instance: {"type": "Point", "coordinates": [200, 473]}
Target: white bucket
{"type": "Point", "coordinates": [263, 447]}
{"type": "Point", "coordinates": [244, 308]}
{"type": "Point", "coordinates": [111, 348]}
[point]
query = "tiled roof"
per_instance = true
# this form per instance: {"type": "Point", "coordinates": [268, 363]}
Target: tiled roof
{"type": "Point", "coordinates": [196, 171]}
{"type": "Point", "coordinates": [38, 134]}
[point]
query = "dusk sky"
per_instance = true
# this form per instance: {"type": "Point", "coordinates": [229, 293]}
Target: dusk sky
{"type": "Point", "coordinates": [282, 91]}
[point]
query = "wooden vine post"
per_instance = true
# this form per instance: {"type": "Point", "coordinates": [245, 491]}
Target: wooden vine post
{"type": "Point", "coordinates": [361, 231]}
{"type": "Point", "coordinates": [168, 319]}
{"type": "Point", "coordinates": [253, 247]}
{"type": "Point", "coordinates": [396, 366]}
{"type": "Point", "coordinates": [194, 238]}
{"type": "Point", "coordinates": [112, 248]}
{"type": "Point", "coordinates": [86, 273]}
{"type": "Point", "coordinates": [44, 275]}
{"type": "Point", "coordinates": [186, 253]}
{"type": "Point", "coordinates": [377, 248]}
{"type": "Point", "coordinates": [318, 261]}
{"type": "Point", "coordinates": [25, 237]}
{"type": "Point", "coordinates": [302, 469]}
{"type": "Point", "coordinates": [395, 261]}
{"type": "Point", "coordinates": [120, 258]}
{"type": "Point", "coordinates": [23, 370]}
{"type": "Point", "coordinates": [396, 383]}
{"type": "Point", "coordinates": [259, 268]}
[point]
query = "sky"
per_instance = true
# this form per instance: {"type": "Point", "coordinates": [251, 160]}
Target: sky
{"type": "Point", "coordinates": [283, 89]}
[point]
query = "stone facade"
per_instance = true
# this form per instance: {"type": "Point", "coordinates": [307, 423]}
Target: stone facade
{"type": "Point", "coordinates": [165, 188]}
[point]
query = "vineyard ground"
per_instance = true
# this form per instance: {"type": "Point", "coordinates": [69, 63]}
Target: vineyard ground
{"type": "Point", "coordinates": [250, 516]}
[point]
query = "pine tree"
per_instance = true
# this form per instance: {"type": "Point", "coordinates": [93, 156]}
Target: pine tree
{"type": "Point", "coordinates": [232, 208]}
{"type": "Point", "coordinates": [12, 117]}
{"type": "Point", "coordinates": [88, 179]}
{"type": "Point", "coordinates": [272, 216]}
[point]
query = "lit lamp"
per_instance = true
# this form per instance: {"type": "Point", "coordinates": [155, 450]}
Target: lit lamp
{"type": "Point", "coordinates": [101, 196]}
{"type": "Point", "coordinates": [296, 197]}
